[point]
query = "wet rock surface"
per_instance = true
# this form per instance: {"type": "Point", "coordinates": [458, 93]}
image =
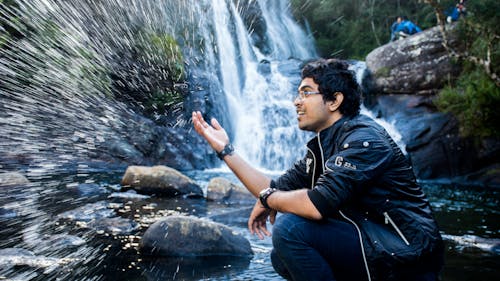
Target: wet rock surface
{"type": "Point", "coordinates": [191, 236]}
{"type": "Point", "coordinates": [160, 180]}
{"type": "Point", "coordinates": [417, 64]}
{"type": "Point", "coordinates": [222, 190]}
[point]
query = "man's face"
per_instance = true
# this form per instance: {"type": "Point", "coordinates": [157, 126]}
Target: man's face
{"type": "Point", "coordinates": [313, 114]}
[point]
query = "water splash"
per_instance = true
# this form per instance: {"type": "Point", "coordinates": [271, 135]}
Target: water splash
{"type": "Point", "coordinates": [62, 63]}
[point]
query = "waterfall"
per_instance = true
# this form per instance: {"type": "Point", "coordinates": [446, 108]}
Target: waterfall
{"type": "Point", "coordinates": [261, 104]}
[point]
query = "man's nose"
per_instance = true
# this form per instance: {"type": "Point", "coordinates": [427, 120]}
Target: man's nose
{"type": "Point", "coordinates": [297, 101]}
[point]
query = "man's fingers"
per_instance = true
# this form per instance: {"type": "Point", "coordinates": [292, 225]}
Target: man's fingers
{"type": "Point", "coordinates": [216, 124]}
{"type": "Point", "coordinates": [250, 226]}
{"type": "Point", "coordinates": [272, 217]}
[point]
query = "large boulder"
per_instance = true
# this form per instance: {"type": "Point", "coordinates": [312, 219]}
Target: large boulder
{"type": "Point", "coordinates": [221, 189]}
{"type": "Point", "coordinates": [190, 236]}
{"type": "Point", "coordinates": [160, 180]}
{"type": "Point", "coordinates": [417, 64]}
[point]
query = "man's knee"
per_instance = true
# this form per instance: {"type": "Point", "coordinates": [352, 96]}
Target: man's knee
{"type": "Point", "coordinates": [287, 231]}
{"type": "Point", "coordinates": [284, 225]}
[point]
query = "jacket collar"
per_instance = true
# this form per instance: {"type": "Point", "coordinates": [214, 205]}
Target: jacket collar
{"type": "Point", "coordinates": [327, 135]}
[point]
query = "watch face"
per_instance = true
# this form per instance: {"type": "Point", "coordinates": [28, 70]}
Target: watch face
{"type": "Point", "coordinates": [264, 192]}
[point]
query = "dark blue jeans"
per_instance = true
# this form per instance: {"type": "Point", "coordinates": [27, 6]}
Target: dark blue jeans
{"type": "Point", "coordinates": [316, 250]}
{"type": "Point", "coordinates": [320, 250]}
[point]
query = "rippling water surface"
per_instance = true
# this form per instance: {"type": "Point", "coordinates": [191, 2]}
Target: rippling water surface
{"type": "Point", "coordinates": [53, 229]}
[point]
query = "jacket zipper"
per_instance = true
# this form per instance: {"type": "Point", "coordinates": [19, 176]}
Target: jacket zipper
{"type": "Point", "coordinates": [342, 214]}
{"type": "Point", "coordinates": [322, 156]}
{"type": "Point", "coordinates": [360, 242]}
{"type": "Point", "coordinates": [389, 220]}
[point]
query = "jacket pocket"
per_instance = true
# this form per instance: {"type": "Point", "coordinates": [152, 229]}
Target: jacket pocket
{"type": "Point", "coordinates": [388, 220]}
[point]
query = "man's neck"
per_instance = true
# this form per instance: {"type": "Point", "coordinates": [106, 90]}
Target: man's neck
{"type": "Point", "coordinates": [334, 117]}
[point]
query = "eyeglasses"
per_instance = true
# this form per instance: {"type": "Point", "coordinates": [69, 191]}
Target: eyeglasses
{"type": "Point", "coordinates": [304, 94]}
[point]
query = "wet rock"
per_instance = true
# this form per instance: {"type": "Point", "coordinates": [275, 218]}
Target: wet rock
{"type": "Point", "coordinates": [193, 268]}
{"type": "Point", "coordinates": [254, 20]}
{"type": "Point", "coordinates": [12, 179]}
{"type": "Point", "coordinates": [88, 189]}
{"type": "Point", "coordinates": [64, 241]}
{"type": "Point", "coordinates": [264, 67]}
{"type": "Point", "coordinates": [89, 212]}
{"type": "Point", "coordinates": [6, 213]}
{"type": "Point", "coordinates": [160, 180]}
{"type": "Point", "coordinates": [129, 194]}
{"type": "Point", "coordinates": [491, 245]}
{"type": "Point", "coordinates": [418, 63]}
{"type": "Point", "coordinates": [23, 257]}
{"type": "Point", "coordinates": [114, 226]}
{"type": "Point", "coordinates": [223, 190]}
{"type": "Point", "coordinates": [190, 236]}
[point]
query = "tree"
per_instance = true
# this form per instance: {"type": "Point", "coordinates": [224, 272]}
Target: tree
{"type": "Point", "coordinates": [474, 98]}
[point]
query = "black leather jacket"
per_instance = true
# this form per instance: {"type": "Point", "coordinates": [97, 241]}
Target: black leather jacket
{"type": "Point", "coordinates": [358, 174]}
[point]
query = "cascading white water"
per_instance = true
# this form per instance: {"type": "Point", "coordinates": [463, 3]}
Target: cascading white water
{"type": "Point", "coordinates": [261, 106]}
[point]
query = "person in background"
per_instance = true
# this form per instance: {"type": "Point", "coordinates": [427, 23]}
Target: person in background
{"type": "Point", "coordinates": [351, 209]}
{"type": "Point", "coordinates": [457, 11]}
{"type": "Point", "coordinates": [403, 28]}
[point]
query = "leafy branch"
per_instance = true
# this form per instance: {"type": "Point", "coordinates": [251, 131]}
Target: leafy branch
{"type": "Point", "coordinates": [484, 61]}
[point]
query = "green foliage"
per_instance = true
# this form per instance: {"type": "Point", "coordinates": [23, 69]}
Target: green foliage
{"type": "Point", "coordinates": [351, 29]}
{"type": "Point", "coordinates": [161, 58]}
{"type": "Point", "coordinates": [475, 97]}
{"type": "Point", "coordinates": [475, 101]}
{"type": "Point", "coordinates": [163, 51]}
{"type": "Point", "coordinates": [162, 101]}
{"type": "Point", "coordinates": [4, 38]}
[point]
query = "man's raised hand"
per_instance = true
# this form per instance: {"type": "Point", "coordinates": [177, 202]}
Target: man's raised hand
{"type": "Point", "coordinates": [214, 134]}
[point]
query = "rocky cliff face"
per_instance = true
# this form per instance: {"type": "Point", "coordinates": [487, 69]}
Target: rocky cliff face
{"type": "Point", "coordinates": [403, 77]}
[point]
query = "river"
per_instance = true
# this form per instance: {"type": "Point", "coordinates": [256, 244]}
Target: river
{"type": "Point", "coordinates": [51, 229]}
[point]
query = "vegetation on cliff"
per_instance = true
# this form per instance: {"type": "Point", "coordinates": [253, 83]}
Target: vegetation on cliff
{"type": "Point", "coordinates": [474, 97]}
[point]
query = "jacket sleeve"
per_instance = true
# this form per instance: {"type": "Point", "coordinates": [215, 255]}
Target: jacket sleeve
{"type": "Point", "coordinates": [294, 178]}
{"type": "Point", "coordinates": [361, 158]}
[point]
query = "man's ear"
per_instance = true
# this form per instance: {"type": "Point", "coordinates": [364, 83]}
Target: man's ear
{"type": "Point", "coordinates": [335, 104]}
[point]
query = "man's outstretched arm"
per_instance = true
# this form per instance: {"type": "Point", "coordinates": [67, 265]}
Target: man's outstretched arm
{"type": "Point", "coordinates": [296, 202]}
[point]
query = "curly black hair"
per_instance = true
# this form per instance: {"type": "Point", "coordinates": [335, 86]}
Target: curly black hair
{"type": "Point", "coordinates": [333, 75]}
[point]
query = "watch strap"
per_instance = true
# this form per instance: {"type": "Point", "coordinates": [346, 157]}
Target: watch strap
{"type": "Point", "coordinates": [264, 194]}
{"type": "Point", "coordinates": [228, 150]}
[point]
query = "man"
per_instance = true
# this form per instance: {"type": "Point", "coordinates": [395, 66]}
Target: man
{"type": "Point", "coordinates": [403, 28]}
{"type": "Point", "coordinates": [352, 209]}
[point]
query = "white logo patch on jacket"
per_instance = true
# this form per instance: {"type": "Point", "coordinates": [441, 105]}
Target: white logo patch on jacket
{"type": "Point", "coordinates": [339, 162]}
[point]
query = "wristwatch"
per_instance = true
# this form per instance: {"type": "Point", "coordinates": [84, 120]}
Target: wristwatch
{"type": "Point", "coordinates": [264, 194]}
{"type": "Point", "coordinates": [228, 150]}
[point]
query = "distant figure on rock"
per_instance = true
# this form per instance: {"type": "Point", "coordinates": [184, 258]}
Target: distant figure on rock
{"type": "Point", "coordinates": [456, 12]}
{"type": "Point", "coordinates": [351, 207]}
{"type": "Point", "coordinates": [403, 28]}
